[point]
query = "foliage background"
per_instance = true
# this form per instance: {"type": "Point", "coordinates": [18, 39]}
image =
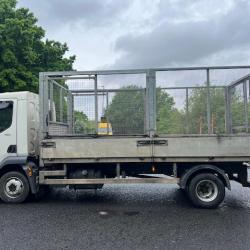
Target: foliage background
{"type": "Point", "coordinates": [24, 50]}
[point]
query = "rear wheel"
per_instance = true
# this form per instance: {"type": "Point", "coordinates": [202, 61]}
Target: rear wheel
{"type": "Point", "coordinates": [206, 190]}
{"type": "Point", "coordinates": [14, 187]}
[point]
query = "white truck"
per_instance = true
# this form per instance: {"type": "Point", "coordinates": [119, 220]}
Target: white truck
{"type": "Point", "coordinates": [39, 144]}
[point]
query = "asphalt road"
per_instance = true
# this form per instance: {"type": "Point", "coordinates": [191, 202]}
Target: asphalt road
{"type": "Point", "coordinates": [126, 217]}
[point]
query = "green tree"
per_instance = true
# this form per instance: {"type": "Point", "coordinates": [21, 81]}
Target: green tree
{"type": "Point", "coordinates": [126, 113]}
{"type": "Point", "coordinates": [197, 115]}
{"type": "Point", "coordinates": [238, 110]}
{"type": "Point", "coordinates": [169, 118]}
{"type": "Point", "coordinates": [82, 125]}
{"type": "Point", "coordinates": [24, 52]}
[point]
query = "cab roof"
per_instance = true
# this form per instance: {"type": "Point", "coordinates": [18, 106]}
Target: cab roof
{"type": "Point", "coordinates": [22, 95]}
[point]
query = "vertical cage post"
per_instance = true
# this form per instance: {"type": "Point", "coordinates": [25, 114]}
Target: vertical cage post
{"type": "Point", "coordinates": [208, 102]}
{"type": "Point", "coordinates": [187, 111]}
{"type": "Point", "coordinates": [245, 105]}
{"type": "Point", "coordinates": [249, 88]}
{"type": "Point", "coordinates": [107, 104]}
{"type": "Point", "coordinates": [229, 106]}
{"type": "Point", "coordinates": [151, 102]}
{"type": "Point", "coordinates": [96, 104]}
{"type": "Point", "coordinates": [227, 110]}
{"type": "Point", "coordinates": [51, 98]}
{"type": "Point", "coordinates": [107, 99]}
{"type": "Point", "coordinates": [61, 105]}
{"type": "Point", "coordinates": [70, 112]}
{"type": "Point", "coordinates": [145, 110]}
{"type": "Point", "coordinates": [43, 105]}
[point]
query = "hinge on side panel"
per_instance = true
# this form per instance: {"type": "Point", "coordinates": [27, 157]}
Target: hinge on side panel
{"type": "Point", "coordinates": [143, 143]}
{"type": "Point", "coordinates": [160, 142]}
{"type": "Point", "coordinates": [48, 144]}
{"type": "Point", "coordinates": [152, 142]}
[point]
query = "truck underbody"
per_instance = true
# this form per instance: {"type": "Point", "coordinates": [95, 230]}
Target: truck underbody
{"type": "Point", "coordinates": [139, 156]}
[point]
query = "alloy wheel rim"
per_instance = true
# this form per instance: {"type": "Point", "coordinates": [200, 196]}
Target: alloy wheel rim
{"type": "Point", "coordinates": [206, 190]}
{"type": "Point", "coordinates": [14, 187]}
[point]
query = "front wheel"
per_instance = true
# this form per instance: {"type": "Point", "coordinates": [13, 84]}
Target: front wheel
{"type": "Point", "coordinates": [206, 190]}
{"type": "Point", "coordinates": [14, 187]}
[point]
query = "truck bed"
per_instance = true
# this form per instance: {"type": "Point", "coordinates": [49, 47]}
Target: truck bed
{"type": "Point", "coordinates": [174, 148]}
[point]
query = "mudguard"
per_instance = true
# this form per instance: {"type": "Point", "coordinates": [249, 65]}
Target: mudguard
{"type": "Point", "coordinates": [22, 162]}
{"type": "Point", "coordinates": [200, 168]}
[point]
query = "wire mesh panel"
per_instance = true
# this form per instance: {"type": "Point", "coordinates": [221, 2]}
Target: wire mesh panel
{"type": "Point", "coordinates": [184, 110]}
{"type": "Point", "coordinates": [170, 115]}
{"type": "Point", "coordinates": [240, 106]}
{"type": "Point", "coordinates": [181, 102]}
{"type": "Point", "coordinates": [126, 111]}
{"type": "Point", "coordinates": [84, 114]}
{"type": "Point", "coordinates": [197, 110]}
{"type": "Point", "coordinates": [85, 104]}
{"type": "Point", "coordinates": [59, 116]}
{"type": "Point", "coordinates": [218, 110]}
{"type": "Point", "coordinates": [124, 104]}
{"type": "Point", "coordinates": [199, 101]}
{"type": "Point", "coordinates": [226, 76]}
{"type": "Point", "coordinates": [180, 78]}
{"type": "Point", "coordinates": [117, 110]}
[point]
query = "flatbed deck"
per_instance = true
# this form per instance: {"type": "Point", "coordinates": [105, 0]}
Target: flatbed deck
{"type": "Point", "coordinates": [174, 148]}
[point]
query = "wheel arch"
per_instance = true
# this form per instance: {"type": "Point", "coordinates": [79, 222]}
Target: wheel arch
{"type": "Point", "coordinates": [20, 164]}
{"type": "Point", "coordinates": [204, 168]}
{"type": "Point", "coordinates": [13, 163]}
{"type": "Point", "coordinates": [11, 167]}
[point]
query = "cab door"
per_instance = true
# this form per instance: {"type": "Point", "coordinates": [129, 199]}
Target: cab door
{"type": "Point", "coordinates": [8, 127]}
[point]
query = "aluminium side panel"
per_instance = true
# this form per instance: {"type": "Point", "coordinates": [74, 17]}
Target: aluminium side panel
{"type": "Point", "coordinates": [177, 149]}
{"type": "Point", "coordinates": [212, 147]}
{"type": "Point", "coordinates": [95, 149]}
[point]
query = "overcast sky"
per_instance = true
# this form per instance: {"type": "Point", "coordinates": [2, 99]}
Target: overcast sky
{"type": "Point", "coordinates": [148, 33]}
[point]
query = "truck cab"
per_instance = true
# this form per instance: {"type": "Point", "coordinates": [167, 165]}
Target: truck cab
{"type": "Point", "coordinates": [19, 122]}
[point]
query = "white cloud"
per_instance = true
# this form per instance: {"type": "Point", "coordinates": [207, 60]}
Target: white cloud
{"type": "Point", "coordinates": [128, 34]}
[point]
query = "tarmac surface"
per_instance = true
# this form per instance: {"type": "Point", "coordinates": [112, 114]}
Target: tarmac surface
{"type": "Point", "coordinates": [126, 217]}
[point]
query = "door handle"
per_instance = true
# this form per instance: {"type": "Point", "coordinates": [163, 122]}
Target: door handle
{"type": "Point", "coordinates": [7, 134]}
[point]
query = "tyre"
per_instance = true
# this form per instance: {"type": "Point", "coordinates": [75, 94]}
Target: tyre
{"type": "Point", "coordinates": [206, 190]}
{"type": "Point", "coordinates": [14, 187]}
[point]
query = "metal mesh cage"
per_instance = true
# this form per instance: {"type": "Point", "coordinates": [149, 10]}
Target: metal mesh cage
{"type": "Point", "coordinates": [151, 102]}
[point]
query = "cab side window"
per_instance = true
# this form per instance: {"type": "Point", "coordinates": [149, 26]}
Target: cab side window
{"type": "Point", "coordinates": [6, 114]}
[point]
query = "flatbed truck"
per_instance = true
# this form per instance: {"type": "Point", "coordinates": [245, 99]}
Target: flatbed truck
{"type": "Point", "coordinates": [39, 144]}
